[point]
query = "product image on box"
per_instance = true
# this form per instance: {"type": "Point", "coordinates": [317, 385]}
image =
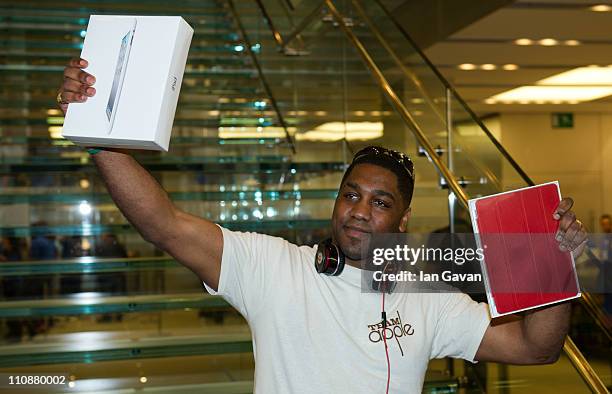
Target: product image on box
{"type": "Point", "coordinates": [523, 266]}
{"type": "Point", "coordinates": [120, 70]}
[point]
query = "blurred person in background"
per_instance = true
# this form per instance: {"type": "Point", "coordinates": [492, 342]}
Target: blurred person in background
{"type": "Point", "coordinates": [10, 250]}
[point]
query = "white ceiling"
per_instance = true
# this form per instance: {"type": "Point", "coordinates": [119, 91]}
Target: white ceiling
{"type": "Point", "coordinates": [490, 40]}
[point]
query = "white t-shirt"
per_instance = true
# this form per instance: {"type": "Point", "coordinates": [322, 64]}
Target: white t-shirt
{"type": "Point", "coordinates": [314, 333]}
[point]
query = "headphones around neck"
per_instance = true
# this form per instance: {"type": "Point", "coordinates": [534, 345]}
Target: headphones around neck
{"type": "Point", "coordinates": [329, 260]}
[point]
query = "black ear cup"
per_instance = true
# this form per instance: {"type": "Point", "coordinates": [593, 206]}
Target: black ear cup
{"type": "Point", "coordinates": [329, 259]}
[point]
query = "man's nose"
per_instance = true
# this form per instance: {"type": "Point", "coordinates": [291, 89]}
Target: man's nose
{"type": "Point", "coordinates": [361, 210]}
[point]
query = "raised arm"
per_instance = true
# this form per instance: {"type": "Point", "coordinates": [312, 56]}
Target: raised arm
{"type": "Point", "coordinates": [194, 242]}
{"type": "Point", "coordinates": [538, 336]}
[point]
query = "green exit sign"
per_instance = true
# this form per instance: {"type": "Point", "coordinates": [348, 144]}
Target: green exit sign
{"type": "Point", "coordinates": [562, 120]}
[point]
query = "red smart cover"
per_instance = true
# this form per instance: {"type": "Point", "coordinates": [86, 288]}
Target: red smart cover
{"type": "Point", "coordinates": [524, 266]}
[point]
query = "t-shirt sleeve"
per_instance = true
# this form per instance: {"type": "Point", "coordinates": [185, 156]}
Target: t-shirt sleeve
{"type": "Point", "coordinates": [461, 325]}
{"type": "Point", "coordinates": [250, 265]}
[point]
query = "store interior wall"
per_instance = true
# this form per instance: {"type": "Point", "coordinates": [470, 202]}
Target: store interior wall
{"type": "Point", "coordinates": [578, 157]}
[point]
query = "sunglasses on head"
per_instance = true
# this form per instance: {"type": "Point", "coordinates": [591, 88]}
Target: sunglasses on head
{"type": "Point", "coordinates": [400, 157]}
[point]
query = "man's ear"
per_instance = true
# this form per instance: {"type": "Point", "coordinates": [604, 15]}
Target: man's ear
{"type": "Point", "coordinates": [403, 226]}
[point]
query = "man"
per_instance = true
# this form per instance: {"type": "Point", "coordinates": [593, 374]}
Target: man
{"type": "Point", "coordinates": [314, 333]}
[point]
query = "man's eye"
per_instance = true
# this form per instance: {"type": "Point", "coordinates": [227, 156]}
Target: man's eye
{"type": "Point", "coordinates": [381, 203]}
{"type": "Point", "coordinates": [350, 196]}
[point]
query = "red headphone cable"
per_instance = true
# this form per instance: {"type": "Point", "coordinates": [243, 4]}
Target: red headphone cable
{"type": "Point", "coordinates": [384, 322]}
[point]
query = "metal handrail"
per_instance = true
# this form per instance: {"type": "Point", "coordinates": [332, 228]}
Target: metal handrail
{"type": "Point", "coordinates": [576, 357]}
{"type": "Point", "coordinates": [441, 78]}
{"type": "Point", "coordinates": [417, 83]}
{"type": "Point", "coordinates": [275, 33]}
{"type": "Point", "coordinates": [583, 367]}
{"type": "Point", "coordinates": [302, 25]}
{"type": "Point", "coordinates": [591, 306]}
{"type": "Point", "coordinates": [262, 77]}
{"type": "Point", "coordinates": [399, 106]}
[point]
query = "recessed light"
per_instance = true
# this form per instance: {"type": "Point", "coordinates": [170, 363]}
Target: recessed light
{"type": "Point", "coordinates": [601, 8]}
{"type": "Point", "coordinates": [488, 67]}
{"type": "Point", "coordinates": [523, 41]}
{"type": "Point", "coordinates": [592, 76]}
{"type": "Point", "coordinates": [467, 66]}
{"type": "Point", "coordinates": [556, 93]}
{"type": "Point", "coordinates": [572, 43]}
{"type": "Point", "coordinates": [548, 42]}
{"type": "Point", "coordinates": [510, 67]}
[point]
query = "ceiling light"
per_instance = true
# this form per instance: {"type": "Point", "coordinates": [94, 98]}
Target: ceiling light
{"type": "Point", "coordinates": [488, 67]}
{"type": "Point", "coordinates": [581, 76]}
{"type": "Point", "coordinates": [523, 41]}
{"type": "Point", "coordinates": [335, 131]}
{"type": "Point", "coordinates": [566, 93]}
{"type": "Point", "coordinates": [252, 132]}
{"type": "Point", "coordinates": [84, 208]}
{"type": "Point", "coordinates": [359, 113]}
{"type": "Point", "coordinates": [467, 66]}
{"type": "Point", "coordinates": [548, 42]}
{"type": "Point", "coordinates": [572, 43]}
{"type": "Point", "coordinates": [490, 101]}
{"type": "Point", "coordinates": [601, 8]}
{"type": "Point", "coordinates": [510, 67]}
{"type": "Point", "coordinates": [577, 85]}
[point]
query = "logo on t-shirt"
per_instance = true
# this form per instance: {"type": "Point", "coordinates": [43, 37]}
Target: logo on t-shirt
{"type": "Point", "coordinates": [395, 329]}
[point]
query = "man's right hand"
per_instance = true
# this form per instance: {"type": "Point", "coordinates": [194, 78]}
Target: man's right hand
{"type": "Point", "coordinates": [77, 85]}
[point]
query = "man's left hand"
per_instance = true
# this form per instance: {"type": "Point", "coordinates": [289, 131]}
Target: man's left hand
{"type": "Point", "coordinates": [571, 235]}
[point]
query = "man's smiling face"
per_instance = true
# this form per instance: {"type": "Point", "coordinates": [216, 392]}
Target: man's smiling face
{"type": "Point", "coordinates": [369, 201]}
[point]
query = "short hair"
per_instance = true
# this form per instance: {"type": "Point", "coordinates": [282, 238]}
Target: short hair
{"type": "Point", "coordinates": [605, 216]}
{"type": "Point", "coordinates": [398, 163]}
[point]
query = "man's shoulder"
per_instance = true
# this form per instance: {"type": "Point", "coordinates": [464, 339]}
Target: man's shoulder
{"type": "Point", "coordinates": [270, 244]}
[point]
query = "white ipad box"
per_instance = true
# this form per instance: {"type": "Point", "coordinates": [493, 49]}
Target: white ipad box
{"type": "Point", "coordinates": [138, 63]}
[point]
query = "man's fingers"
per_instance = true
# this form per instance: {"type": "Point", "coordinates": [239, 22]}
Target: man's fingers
{"type": "Point", "coordinates": [70, 85]}
{"type": "Point", "coordinates": [564, 206]}
{"type": "Point", "coordinates": [566, 221]}
{"type": "Point", "coordinates": [574, 236]}
{"type": "Point", "coordinates": [72, 97]}
{"type": "Point", "coordinates": [78, 62]}
{"type": "Point", "coordinates": [77, 74]}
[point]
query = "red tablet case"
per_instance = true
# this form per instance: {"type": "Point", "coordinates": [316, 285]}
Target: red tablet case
{"type": "Point", "coordinates": [523, 267]}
